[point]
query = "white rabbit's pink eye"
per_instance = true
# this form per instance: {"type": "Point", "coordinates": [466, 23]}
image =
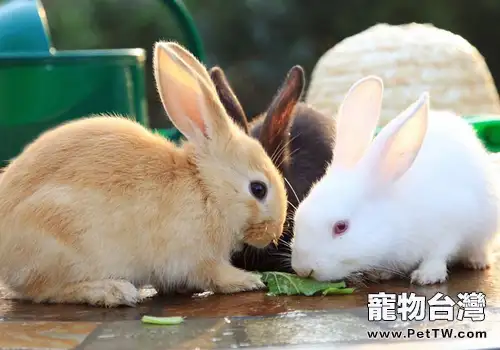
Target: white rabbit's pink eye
{"type": "Point", "coordinates": [340, 227]}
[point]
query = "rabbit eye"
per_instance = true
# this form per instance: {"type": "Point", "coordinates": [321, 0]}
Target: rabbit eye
{"type": "Point", "coordinates": [258, 189]}
{"type": "Point", "coordinates": [340, 227]}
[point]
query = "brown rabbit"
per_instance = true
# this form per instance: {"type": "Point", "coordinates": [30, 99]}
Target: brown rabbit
{"type": "Point", "coordinates": [299, 140]}
{"type": "Point", "coordinates": [99, 206]}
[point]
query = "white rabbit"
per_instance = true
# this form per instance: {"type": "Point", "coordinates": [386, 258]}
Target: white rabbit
{"type": "Point", "coordinates": [419, 196]}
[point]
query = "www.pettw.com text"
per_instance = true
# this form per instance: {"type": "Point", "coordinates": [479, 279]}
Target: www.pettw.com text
{"type": "Point", "coordinates": [432, 333]}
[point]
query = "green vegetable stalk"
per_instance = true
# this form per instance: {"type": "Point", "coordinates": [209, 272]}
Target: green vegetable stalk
{"type": "Point", "coordinates": [166, 321]}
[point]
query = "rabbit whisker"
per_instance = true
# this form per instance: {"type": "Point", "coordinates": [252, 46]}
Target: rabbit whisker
{"type": "Point", "coordinates": [294, 151]}
{"type": "Point", "coordinates": [373, 269]}
{"type": "Point", "coordinates": [290, 155]}
{"type": "Point", "coordinates": [393, 270]}
{"type": "Point", "coordinates": [286, 266]}
{"type": "Point", "coordinates": [285, 243]}
{"type": "Point", "coordinates": [287, 246]}
{"type": "Point", "coordinates": [277, 151]}
{"type": "Point", "coordinates": [291, 213]}
{"type": "Point", "coordinates": [293, 191]}
{"type": "Point", "coordinates": [282, 149]}
{"type": "Point", "coordinates": [292, 205]}
{"type": "Point", "coordinates": [356, 279]}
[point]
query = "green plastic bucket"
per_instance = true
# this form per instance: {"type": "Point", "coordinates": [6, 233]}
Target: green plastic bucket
{"type": "Point", "coordinates": [40, 90]}
{"type": "Point", "coordinates": [488, 130]}
{"type": "Point", "coordinates": [41, 87]}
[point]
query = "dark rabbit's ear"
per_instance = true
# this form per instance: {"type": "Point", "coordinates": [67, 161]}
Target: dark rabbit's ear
{"type": "Point", "coordinates": [275, 128]}
{"type": "Point", "coordinates": [228, 98]}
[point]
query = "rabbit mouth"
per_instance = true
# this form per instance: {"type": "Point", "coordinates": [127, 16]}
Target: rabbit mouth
{"type": "Point", "coordinates": [260, 235]}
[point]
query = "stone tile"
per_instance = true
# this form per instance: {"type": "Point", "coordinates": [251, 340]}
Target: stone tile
{"type": "Point", "coordinates": [44, 335]}
{"type": "Point", "coordinates": [341, 328]}
{"type": "Point", "coordinates": [134, 335]}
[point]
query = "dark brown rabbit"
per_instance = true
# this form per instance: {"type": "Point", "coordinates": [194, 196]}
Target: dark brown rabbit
{"type": "Point", "coordinates": [299, 140]}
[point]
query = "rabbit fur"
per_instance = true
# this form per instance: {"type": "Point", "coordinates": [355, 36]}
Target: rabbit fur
{"type": "Point", "coordinates": [97, 207]}
{"type": "Point", "coordinates": [421, 196]}
{"type": "Point", "coordinates": [298, 139]}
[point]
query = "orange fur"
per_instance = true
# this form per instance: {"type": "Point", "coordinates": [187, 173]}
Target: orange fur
{"type": "Point", "coordinates": [93, 208]}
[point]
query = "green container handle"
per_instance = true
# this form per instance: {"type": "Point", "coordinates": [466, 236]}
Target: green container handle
{"type": "Point", "coordinates": [194, 43]}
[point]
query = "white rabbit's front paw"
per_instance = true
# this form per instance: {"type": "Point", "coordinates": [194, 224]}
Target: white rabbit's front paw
{"type": "Point", "coordinates": [430, 272]}
{"type": "Point", "coordinates": [477, 265]}
{"type": "Point", "coordinates": [478, 260]}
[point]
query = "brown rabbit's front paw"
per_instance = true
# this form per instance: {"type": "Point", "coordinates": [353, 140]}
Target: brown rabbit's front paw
{"type": "Point", "coordinates": [119, 293]}
{"type": "Point", "coordinates": [239, 281]}
{"type": "Point", "coordinates": [107, 293]}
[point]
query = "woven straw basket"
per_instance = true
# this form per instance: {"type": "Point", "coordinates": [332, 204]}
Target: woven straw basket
{"type": "Point", "coordinates": [410, 58]}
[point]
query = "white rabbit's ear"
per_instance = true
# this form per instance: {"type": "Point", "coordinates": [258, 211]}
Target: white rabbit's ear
{"type": "Point", "coordinates": [357, 120]}
{"type": "Point", "coordinates": [396, 147]}
{"type": "Point", "coordinates": [189, 99]}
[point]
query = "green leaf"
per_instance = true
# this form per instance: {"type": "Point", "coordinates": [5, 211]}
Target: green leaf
{"type": "Point", "coordinates": [280, 283]}
{"type": "Point", "coordinates": [167, 321]}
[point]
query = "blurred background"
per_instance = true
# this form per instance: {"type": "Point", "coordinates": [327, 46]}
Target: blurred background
{"type": "Point", "coordinates": [257, 41]}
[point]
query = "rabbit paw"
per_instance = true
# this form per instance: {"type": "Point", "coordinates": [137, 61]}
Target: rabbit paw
{"type": "Point", "coordinates": [107, 293]}
{"type": "Point", "coordinates": [477, 265]}
{"type": "Point", "coordinates": [245, 282]}
{"type": "Point", "coordinates": [430, 272]}
{"type": "Point", "coordinates": [477, 261]}
{"type": "Point", "coordinates": [233, 280]}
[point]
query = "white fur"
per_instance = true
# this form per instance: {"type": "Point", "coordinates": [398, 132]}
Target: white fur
{"type": "Point", "coordinates": [443, 208]}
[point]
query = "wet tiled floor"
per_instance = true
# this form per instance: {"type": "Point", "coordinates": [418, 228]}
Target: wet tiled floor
{"type": "Point", "coordinates": [251, 320]}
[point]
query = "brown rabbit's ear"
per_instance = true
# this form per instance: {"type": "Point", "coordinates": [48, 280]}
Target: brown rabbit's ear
{"type": "Point", "coordinates": [275, 128]}
{"type": "Point", "coordinates": [192, 61]}
{"type": "Point", "coordinates": [191, 103]}
{"type": "Point", "coordinates": [228, 98]}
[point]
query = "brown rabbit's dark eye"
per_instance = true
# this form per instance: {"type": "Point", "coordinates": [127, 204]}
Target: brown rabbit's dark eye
{"type": "Point", "coordinates": [340, 227]}
{"type": "Point", "coordinates": [258, 189]}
